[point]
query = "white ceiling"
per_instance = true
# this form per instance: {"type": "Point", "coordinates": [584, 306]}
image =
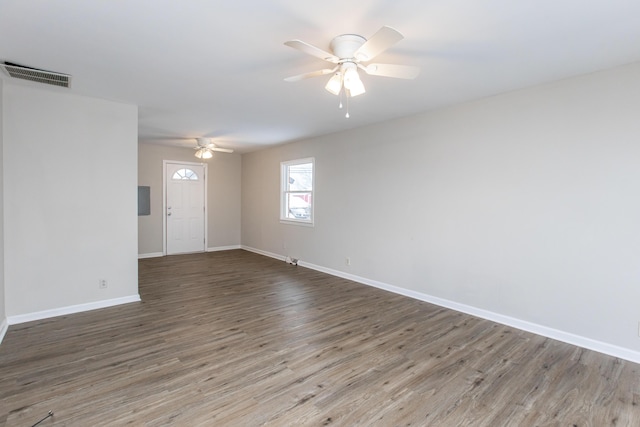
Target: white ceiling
{"type": "Point", "coordinates": [216, 67]}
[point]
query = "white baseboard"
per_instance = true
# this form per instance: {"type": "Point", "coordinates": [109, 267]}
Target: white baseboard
{"type": "Point", "coordinates": [213, 249]}
{"type": "Point", "coordinates": [151, 255]}
{"type": "Point", "coordinates": [29, 317]}
{"type": "Point", "coordinates": [265, 253]}
{"type": "Point", "coordinates": [223, 248]}
{"type": "Point", "coordinates": [545, 331]}
{"type": "Point", "coordinates": [4, 326]}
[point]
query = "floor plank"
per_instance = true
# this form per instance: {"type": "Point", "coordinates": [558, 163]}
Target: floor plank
{"type": "Point", "coordinates": [234, 338]}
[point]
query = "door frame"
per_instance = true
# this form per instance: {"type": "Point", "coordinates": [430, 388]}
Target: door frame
{"type": "Point", "coordinates": [164, 200]}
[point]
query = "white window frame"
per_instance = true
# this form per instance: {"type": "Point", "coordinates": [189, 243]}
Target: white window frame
{"type": "Point", "coordinates": [189, 175]}
{"type": "Point", "coordinates": [283, 192]}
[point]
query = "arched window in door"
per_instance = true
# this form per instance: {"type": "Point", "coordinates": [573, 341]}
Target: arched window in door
{"type": "Point", "coordinates": [185, 174]}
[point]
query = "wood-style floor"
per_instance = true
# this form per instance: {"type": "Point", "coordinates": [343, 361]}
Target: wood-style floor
{"type": "Point", "coordinates": [236, 339]}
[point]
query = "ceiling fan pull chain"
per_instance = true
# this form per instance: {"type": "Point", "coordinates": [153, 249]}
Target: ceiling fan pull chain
{"type": "Point", "coordinates": [347, 96]}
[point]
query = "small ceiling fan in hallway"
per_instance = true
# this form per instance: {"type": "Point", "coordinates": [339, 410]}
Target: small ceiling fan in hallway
{"type": "Point", "coordinates": [205, 148]}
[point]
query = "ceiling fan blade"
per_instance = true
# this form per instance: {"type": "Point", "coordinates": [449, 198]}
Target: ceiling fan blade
{"type": "Point", "coordinates": [207, 144]}
{"type": "Point", "coordinates": [382, 40]}
{"type": "Point", "coordinates": [391, 70]}
{"type": "Point", "coordinates": [309, 75]}
{"type": "Point", "coordinates": [222, 150]}
{"type": "Point", "coordinates": [312, 50]}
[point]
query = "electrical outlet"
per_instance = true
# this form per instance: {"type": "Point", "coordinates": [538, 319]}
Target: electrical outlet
{"type": "Point", "coordinates": [102, 284]}
{"type": "Point", "coordinates": [347, 261]}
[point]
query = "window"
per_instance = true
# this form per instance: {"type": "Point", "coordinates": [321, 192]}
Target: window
{"type": "Point", "coordinates": [296, 188]}
{"type": "Point", "coordinates": [187, 174]}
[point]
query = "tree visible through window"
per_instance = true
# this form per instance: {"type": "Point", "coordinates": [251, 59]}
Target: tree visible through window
{"type": "Point", "coordinates": [296, 203]}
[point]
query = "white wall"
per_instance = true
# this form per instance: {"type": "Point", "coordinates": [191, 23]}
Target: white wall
{"type": "Point", "coordinates": [522, 207]}
{"type": "Point", "coordinates": [70, 200]}
{"type": "Point", "coordinates": [223, 187]}
{"type": "Point", "coordinates": [3, 315]}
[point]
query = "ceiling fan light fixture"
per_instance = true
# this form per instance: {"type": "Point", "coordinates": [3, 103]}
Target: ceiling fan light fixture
{"type": "Point", "coordinates": [350, 75]}
{"type": "Point", "coordinates": [357, 88]}
{"type": "Point", "coordinates": [348, 53]}
{"type": "Point", "coordinates": [352, 82]}
{"type": "Point", "coordinates": [334, 85]}
{"type": "Point", "coordinates": [204, 153]}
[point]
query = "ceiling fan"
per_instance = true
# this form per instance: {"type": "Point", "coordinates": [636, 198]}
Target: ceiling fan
{"type": "Point", "coordinates": [350, 52]}
{"type": "Point", "coordinates": [205, 148]}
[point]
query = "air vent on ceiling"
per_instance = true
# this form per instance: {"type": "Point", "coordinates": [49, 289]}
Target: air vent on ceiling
{"type": "Point", "coordinates": [36, 75]}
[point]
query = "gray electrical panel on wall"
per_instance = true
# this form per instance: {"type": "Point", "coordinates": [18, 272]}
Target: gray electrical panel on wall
{"type": "Point", "coordinates": [144, 200]}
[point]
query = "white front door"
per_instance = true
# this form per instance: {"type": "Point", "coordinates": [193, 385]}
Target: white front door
{"type": "Point", "coordinates": [185, 207]}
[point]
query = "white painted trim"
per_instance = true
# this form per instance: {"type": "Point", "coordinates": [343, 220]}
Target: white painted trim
{"type": "Point", "coordinates": [151, 255]}
{"type": "Point", "coordinates": [205, 169]}
{"type": "Point", "coordinates": [224, 248]}
{"type": "Point", "coordinates": [214, 249]}
{"type": "Point", "coordinates": [265, 253]}
{"type": "Point", "coordinates": [283, 185]}
{"type": "Point", "coordinates": [164, 207]}
{"type": "Point", "coordinates": [545, 331]}
{"type": "Point", "coordinates": [29, 317]}
{"type": "Point", "coordinates": [294, 222]}
{"type": "Point", "coordinates": [4, 327]}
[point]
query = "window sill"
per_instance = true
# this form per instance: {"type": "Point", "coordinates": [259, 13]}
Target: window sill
{"type": "Point", "coordinates": [294, 222]}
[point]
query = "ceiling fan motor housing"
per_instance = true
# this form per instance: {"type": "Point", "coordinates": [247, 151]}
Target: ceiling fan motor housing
{"type": "Point", "coordinates": [346, 45]}
{"type": "Point", "coordinates": [203, 142]}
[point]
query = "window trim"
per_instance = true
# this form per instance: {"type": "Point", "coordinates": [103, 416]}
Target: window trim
{"type": "Point", "coordinates": [283, 192]}
{"type": "Point", "coordinates": [189, 175]}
